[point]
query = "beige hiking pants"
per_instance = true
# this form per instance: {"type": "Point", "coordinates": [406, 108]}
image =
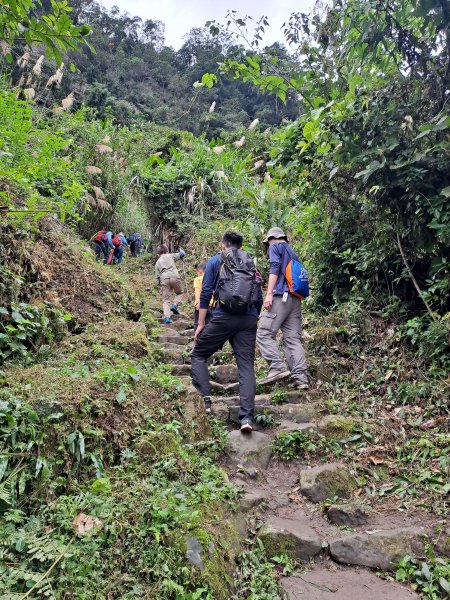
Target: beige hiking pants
{"type": "Point", "coordinates": [169, 287]}
{"type": "Point", "coordinates": [286, 316]}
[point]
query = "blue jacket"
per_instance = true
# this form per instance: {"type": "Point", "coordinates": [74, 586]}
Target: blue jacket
{"type": "Point", "coordinates": [209, 286]}
{"type": "Point", "coordinates": [109, 237]}
{"type": "Point", "coordinates": [279, 256]}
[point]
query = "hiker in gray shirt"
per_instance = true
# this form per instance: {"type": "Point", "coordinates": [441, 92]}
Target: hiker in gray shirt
{"type": "Point", "coordinates": [168, 277]}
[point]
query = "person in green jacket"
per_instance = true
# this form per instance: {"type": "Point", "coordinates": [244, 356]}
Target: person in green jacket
{"type": "Point", "coordinates": [168, 277]}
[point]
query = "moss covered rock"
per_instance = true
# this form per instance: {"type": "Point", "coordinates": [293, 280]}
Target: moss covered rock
{"type": "Point", "coordinates": [336, 426]}
{"type": "Point", "coordinates": [327, 481]}
{"type": "Point", "coordinates": [379, 550]}
{"type": "Point", "coordinates": [292, 537]}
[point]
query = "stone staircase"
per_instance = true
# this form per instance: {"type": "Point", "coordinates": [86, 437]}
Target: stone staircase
{"type": "Point", "coordinates": [289, 497]}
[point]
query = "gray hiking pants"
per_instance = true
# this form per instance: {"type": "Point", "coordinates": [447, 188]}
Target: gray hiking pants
{"type": "Point", "coordinates": [286, 316]}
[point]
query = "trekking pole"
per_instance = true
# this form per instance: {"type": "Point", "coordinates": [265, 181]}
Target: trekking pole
{"type": "Point", "coordinates": [185, 282]}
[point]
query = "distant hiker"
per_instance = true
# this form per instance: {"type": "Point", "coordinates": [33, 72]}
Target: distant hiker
{"type": "Point", "coordinates": [282, 311]}
{"type": "Point", "coordinates": [119, 241]}
{"type": "Point", "coordinates": [135, 242]}
{"type": "Point", "coordinates": [169, 279]}
{"type": "Point", "coordinates": [101, 244]}
{"type": "Point", "coordinates": [231, 276]}
{"type": "Point", "coordinates": [198, 282]}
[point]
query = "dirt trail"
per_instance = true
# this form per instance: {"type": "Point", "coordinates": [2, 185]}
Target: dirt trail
{"type": "Point", "coordinates": [288, 497]}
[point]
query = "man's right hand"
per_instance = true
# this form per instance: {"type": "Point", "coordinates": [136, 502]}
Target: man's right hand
{"type": "Point", "coordinates": [198, 332]}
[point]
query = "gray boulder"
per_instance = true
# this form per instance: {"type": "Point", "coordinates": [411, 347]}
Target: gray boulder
{"type": "Point", "coordinates": [249, 449]}
{"type": "Point", "coordinates": [225, 374]}
{"type": "Point", "coordinates": [194, 552]}
{"type": "Point", "coordinates": [351, 515]}
{"type": "Point", "coordinates": [380, 549]}
{"type": "Point", "coordinates": [327, 481]}
{"type": "Point", "coordinates": [292, 537]}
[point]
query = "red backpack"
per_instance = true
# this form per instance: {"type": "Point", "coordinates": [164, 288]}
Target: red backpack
{"type": "Point", "coordinates": [100, 236]}
{"type": "Point", "coordinates": [117, 240]}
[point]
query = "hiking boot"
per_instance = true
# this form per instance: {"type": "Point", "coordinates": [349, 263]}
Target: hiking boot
{"type": "Point", "coordinates": [274, 376]}
{"type": "Point", "coordinates": [299, 385]}
{"type": "Point", "coordinates": [174, 309]}
{"type": "Point", "coordinates": [207, 401]}
{"type": "Point", "coordinates": [246, 426]}
{"type": "Point", "coordinates": [167, 320]}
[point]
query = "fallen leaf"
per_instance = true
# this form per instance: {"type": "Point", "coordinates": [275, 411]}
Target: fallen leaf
{"type": "Point", "coordinates": [388, 375]}
{"type": "Point", "coordinates": [375, 459]}
{"type": "Point", "coordinates": [83, 524]}
{"type": "Point", "coordinates": [357, 492]}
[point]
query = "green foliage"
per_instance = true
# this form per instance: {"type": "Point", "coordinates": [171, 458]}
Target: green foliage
{"type": "Point", "coordinates": [368, 153]}
{"type": "Point", "coordinates": [258, 574]}
{"type": "Point", "coordinates": [265, 419]}
{"type": "Point", "coordinates": [431, 577]}
{"type": "Point", "coordinates": [291, 445]}
{"type": "Point", "coordinates": [25, 329]}
{"type": "Point", "coordinates": [22, 22]}
{"type": "Point", "coordinates": [134, 76]}
{"type": "Point", "coordinates": [36, 175]}
{"type": "Point", "coordinates": [193, 184]}
{"type": "Point", "coordinates": [431, 339]}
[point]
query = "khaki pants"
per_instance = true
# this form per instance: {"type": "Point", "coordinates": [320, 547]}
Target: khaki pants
{"type": "Point", "coordinates": [286, 316]}
{"type": "Point", "coordinates": [169, 287]}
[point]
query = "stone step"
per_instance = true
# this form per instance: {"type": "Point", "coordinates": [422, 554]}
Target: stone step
{"type": "Point", "coordinates": [178, 340]}
{"type": "Point", "coordinates": [174, 354]}
{"type": "Point", "coordinates": [292, 426]}
{"type": "Point", "coordinates": [303, 413]}
{"type": "Point", "coordinates": [292, 537]}
{"type": "Point", "coordinates": [379, 549]}
{"type": "Point", "coordinates": [327, 581]}
{"type": "Point", "coordinates": [225, 374]}
{"type": "Point", "coordinates": [327, 481]}
{"type": "Point", "coordinates": [178, 324]}
{"type": "Point", "coordinates": [220, 389]}
{"type": "Point", "coordinates": [293, 397]}
{"type": "Point", "coordinates": [181, 370]}
{"type": "Point", "coordinates": [249, 450]}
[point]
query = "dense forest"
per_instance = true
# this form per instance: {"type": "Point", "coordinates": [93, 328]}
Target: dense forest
{"type": "Point", "coordinates": [112, 482]}
{"type": "Point", "coordinates": [127, 72]}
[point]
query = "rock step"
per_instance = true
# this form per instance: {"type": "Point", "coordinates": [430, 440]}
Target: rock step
{"type": "Point", "coordinates": [330, 581]}
{"type": "Point", "coordinates": [225, 374]}
{"type": "Point", "coordinates": [178, 324]}
{"type": "Point", "coordinates": [174, 354]}
{"type": "Point", "coordinates": [298, 413]}
{"type": "Point", "coordinates": [379, 549]}
{"type": "Point", "coordinates": [327, 481]}
{"type": "Point", "coordinates": [249, 450]}
{"type": "Point", "coordinates": [181, 370]}
{"type": "Point", "coordinates": [292, 537]}
{"type": "Point", "coordinates": [178, 340]}
{"type": "Point", "coordinates": [292, 397]}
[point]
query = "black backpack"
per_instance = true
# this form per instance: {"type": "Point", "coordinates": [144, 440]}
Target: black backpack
{"type": "Point", "coordinates": [239, 282]}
